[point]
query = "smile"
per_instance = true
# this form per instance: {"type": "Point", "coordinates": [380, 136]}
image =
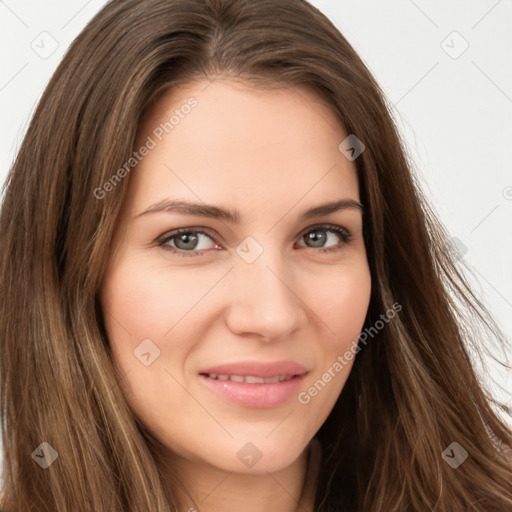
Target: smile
{"type": "Point", "coordinates": [249, 379]}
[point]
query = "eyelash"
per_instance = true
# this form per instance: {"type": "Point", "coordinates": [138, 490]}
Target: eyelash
{"type": "Point", "coordinates": [343, 233]}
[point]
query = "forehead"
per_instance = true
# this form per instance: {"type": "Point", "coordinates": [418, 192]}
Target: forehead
{"type": "Point", "coordinates": [212, 140]}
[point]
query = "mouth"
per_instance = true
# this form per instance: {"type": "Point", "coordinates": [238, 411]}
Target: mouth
{"type": "Point", "coordinates": [249, 379]}
{"type": "Point", "coordinates": [255, 384]}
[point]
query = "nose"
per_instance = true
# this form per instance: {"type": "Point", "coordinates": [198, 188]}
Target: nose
{"type": "Point", "coordinates": [264, 299]}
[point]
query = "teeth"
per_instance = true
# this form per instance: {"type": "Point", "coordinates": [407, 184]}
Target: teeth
{"type": "Point", "coordinates": [249, 379]}
{"type": "Point", "coordinates": [253, 380]}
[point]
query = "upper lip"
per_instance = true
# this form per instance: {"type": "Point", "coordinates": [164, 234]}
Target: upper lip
{"type": "Point", "coordinates": [257, 369]}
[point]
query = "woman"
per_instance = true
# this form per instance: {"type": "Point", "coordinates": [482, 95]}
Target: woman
{"type": "Point", "coordinates": [222, 289]}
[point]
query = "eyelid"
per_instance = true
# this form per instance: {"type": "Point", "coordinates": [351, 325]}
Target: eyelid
{"type": "Point", "coordinates": [161, 240]}
{"type": "Point", "coordinates": [334, 227]}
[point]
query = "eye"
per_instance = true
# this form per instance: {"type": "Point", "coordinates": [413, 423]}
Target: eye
{"type": "Point", "coordinates": [187, 240]}
{"type": "Point", "coordinates": [194, 242]}
{"type": "Point", "coordinates": [324, 237]}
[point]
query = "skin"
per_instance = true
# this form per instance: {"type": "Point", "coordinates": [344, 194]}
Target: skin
{"type": "Point", "coordinates": [270, 155]}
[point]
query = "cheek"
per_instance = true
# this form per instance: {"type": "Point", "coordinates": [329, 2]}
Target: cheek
{"type": "Point", "coordinates": [342, 302]}
{"type": "Point", "coordinates": [139, 304]}
{"type": "Point", "coordinates": [142, 303]}
{"type": "Point", "coordinates": [150, 301]}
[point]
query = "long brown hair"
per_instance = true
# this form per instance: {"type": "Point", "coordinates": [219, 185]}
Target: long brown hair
{"type": "Point", "coordinates": [412, 391]}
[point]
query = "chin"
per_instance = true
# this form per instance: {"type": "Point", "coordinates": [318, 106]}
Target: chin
{"type": "Point", "coordinates": [257, 457]}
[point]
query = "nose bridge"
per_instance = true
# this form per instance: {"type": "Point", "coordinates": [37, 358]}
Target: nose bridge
{"type": "Point", "coordinates": [263, 301]}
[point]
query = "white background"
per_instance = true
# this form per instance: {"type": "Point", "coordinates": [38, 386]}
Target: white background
{"type": "Point", "coordinates": [454, 113]}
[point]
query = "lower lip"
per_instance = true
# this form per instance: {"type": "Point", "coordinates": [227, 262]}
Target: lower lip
{"type": "Point", "coordinates": [258, 396]}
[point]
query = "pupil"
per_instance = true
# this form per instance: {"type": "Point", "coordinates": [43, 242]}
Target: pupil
{"type": "Point", "coordinates": [189, 240]}
{"type": "Point", "coordinates": [318, 237]}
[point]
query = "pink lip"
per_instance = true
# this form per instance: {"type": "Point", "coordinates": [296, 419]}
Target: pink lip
{"type": "Point", "coordinates": [258, 369]}
{"type": "Point", "coordinates": [260, 396]}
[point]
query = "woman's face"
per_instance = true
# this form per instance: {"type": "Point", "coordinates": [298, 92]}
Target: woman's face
{"type": "Point", "coordinates": [267, 291]}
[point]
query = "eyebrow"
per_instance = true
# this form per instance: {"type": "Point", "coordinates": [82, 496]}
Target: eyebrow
{"type": "Point", "coordinates": [233, 216]}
